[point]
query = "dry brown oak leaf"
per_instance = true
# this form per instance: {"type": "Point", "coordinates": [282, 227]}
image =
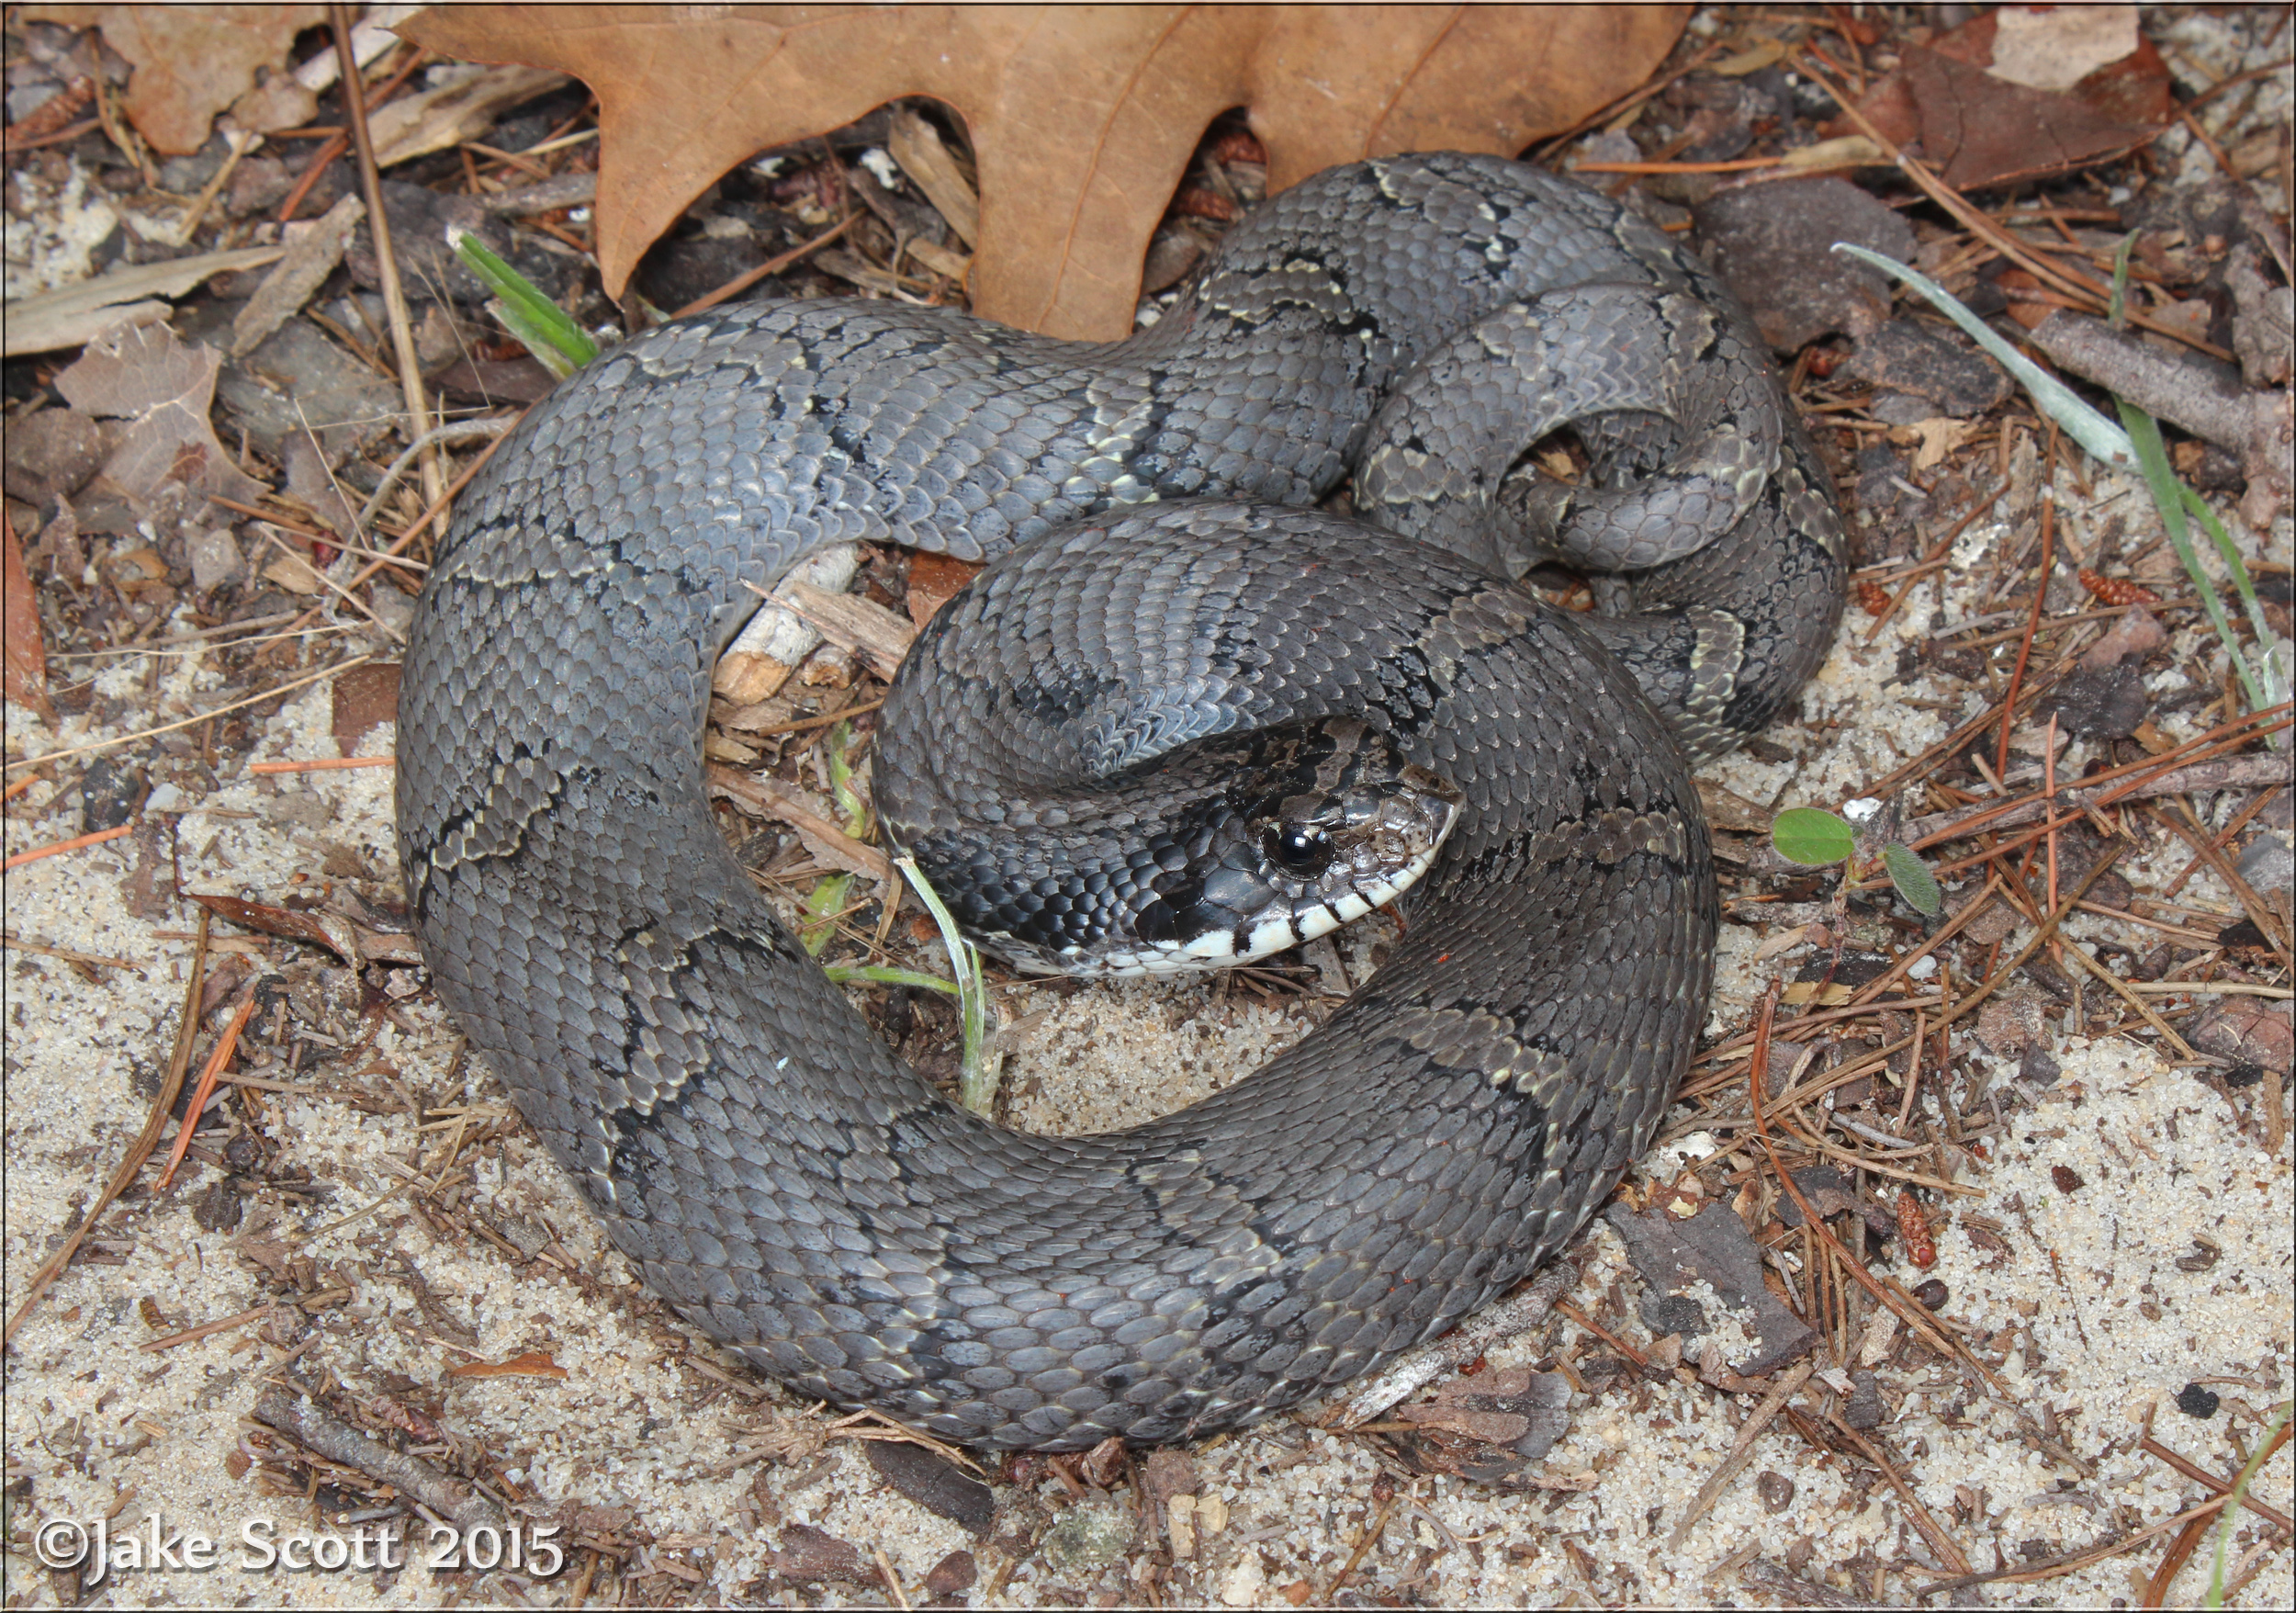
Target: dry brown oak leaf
{"type": "Point", "coordinates": [1082, 119]}
{"type": "Point", "coordinates": [191, 62]}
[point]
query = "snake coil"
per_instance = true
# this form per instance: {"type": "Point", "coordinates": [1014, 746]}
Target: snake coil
{"type": "Point", "coordinates": [767, 1165]}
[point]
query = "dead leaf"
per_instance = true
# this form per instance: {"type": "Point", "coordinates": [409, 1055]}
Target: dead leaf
{"type": "Point", "coordinates": [365, 699]}
{"type": "Point", "coordinates": [2056, 47]}
{"type": "Point", "coordinates": [415, 126]}
{"type": "Point", "coordinates": [294, 574]}
{"type": "Point", "coordinates": [166, 390]}
{"type": "Point", "coordinates": [934, 580]}
{"type": "Point", "coordinates": [1082, 119]}
{"type": "Point", "coordinates": [1980, 124]}
{"type": "Point", "coordinates": [313, 250]}
{"type": "Point", "coordinates": [534, 1363]}
{"type": "Point", "coordinates": [1939, 436]}
{"type": "Point", "coordinates": [191, 62]}
{"type": "Point", "coordinates": [25, 661]}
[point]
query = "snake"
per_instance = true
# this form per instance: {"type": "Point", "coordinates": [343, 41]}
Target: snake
{"type": "Point", "coordinates": [1514, 370]}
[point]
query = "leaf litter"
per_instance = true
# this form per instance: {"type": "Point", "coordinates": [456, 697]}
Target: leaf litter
{"type": "Point", "coordinates": [395, 1202]}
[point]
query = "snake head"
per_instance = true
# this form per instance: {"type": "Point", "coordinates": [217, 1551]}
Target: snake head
{"type": "Point", "coordinates": [1325, 821]}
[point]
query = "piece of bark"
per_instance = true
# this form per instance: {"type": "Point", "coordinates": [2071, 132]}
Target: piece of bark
{"type": "Point", "coordinates": [329, 1436]}
{"type": "Point", "coordinates": [1671, 1252]}
{"type": "Point", "coordinates": [312, 252]}
{"type": "Point", "coordinates": [2189, 391]}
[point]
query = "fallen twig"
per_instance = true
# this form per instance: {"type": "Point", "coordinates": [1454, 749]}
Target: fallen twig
{"type": "Point", "coordinates": [163, 1102]}
{"type": "Point", "coordinates": [95, 838]}
{"type": "Point", "coordinates": [337, 1441]}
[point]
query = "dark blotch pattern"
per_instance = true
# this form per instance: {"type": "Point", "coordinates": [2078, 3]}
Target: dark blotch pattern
{"type": "Point", "coordinates": [774, 1172]}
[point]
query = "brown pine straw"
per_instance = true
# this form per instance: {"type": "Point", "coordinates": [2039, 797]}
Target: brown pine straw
{"type": "Point", "coordinates": [225, 1045]}
{"type": "Point", "coordinates": [1908, 1309]}
{"type": "Point", "coordinates": [95, 838]}
{"type": "Point", "coordinates": [2032, 622]}
{"type": "Point", "coordinates": [141, 1149]}
{"type": "Point", "coordinates": [2075, 1560]}
{"type": "Point", "coordinates": [321, 764]}
{"type": "Point", "coordinates": [1940, 1542]}
{"type": "Point", "coordinates": [439, 506]}
{"type": "Point", "coordinates": [2218, 741]}
{"type": "Point", "coordinates": [2087, 293]}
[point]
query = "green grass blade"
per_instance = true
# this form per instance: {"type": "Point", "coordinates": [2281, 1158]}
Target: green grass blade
{"type": "Point", "coordinates": [549, 331]}
{"type": "Point", "coordinates": [2169, 494]}
{"type": "Point", "coordinates": [885, 974]}
{"type": "Point", "coordinates": [976, 1084]}
{"type": "Point", "coordinates": [2231, 1515]}
{"type": "Point", "coordinates": [2106, 441]}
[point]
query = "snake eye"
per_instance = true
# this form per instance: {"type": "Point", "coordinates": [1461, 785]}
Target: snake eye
{"type": "Point", "coordinates": [1302, 852]}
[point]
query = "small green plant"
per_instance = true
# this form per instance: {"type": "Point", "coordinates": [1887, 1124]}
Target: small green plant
{"type": "Point", "coordinates": [549, 333]}
{"type": "Point", "coordinates": [977, 1081]}
{"type": "Point", "coordinates": [2269, 1442]}
{"type": "Point", "coordinates": [1816, 839]}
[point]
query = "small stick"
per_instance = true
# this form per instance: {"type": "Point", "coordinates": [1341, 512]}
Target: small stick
{"type": "Point", "coordinates": [803, 723]}
{"type": "Point", "coordinates": [1764, 1415]}
{"type": "Point", "coordinates": [893, 1580]}
{"type": "Point", "coordinates": [323, 765]}
{"type": "Point", "coordinates": [94, 960]}
{"type": "Point", "coordinates": [190, 721]}
{"type": "Point", "coordinates": [1378, 1526]}
{"type": "Point", "coordinates": [335, 1440]}
{"type": "Point", "coordinates": [385, 261]}
{"type": "Point", "coordinates": [96, 839]}
{"type": "Point", "coordinates": [138, 1151]}
{"type": "Point", "coordinates": [220, 1324]}
{"type": "Point", "coordinates": [225, 1046]}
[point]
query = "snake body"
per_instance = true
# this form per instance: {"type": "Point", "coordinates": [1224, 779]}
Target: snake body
{"type": "Point", "coordinates": [772, 1169]}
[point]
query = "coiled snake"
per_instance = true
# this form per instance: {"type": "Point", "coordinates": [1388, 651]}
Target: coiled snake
{"type": "Point", "coordinates": [773, 1171]}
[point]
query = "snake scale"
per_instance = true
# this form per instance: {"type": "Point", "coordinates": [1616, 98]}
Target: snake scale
{"type": "Point", "coordinates": [773, 1171]}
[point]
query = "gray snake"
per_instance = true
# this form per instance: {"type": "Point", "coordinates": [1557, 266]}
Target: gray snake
{"type": "Point", "coordinates": [772, 1169]}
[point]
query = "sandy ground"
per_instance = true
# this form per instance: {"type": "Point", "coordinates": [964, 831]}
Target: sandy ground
{"type": "Point", "coordinates": [644, 1428]}
{"type": "Point", "coordinates": [692, 1476]}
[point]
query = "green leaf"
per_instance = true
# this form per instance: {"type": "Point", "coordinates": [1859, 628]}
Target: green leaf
{"type": "Point", "coordinates": [824, 904]}
{"type": "Point", "coordinates": [1812, 838]}
{"type": "Point", "coordinates": [549, 331]}
{"type": "Point", "coordinates": [851, 803]}
{"type": "Point", "coordinates": [1913, 879]}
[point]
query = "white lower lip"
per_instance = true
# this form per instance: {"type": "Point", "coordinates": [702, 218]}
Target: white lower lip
{"type": "Point", "coordinates": [1266, 939]}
